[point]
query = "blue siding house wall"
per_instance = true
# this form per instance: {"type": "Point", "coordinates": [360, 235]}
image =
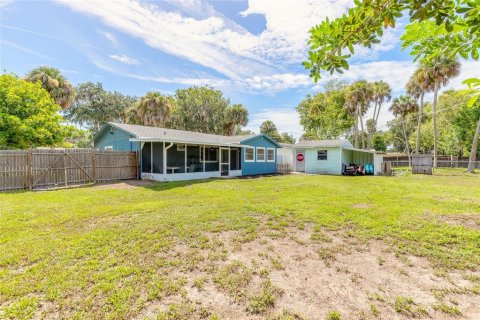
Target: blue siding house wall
{"type": "Point", "coordinates": [115, 138]}
{"type": "Point", "coordinates": [259, 167]}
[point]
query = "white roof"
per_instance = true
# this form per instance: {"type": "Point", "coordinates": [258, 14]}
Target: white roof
{"type": "Point", "coordinates": [145, 133]}
{"type": "Point", "coordinates": [333, 143]}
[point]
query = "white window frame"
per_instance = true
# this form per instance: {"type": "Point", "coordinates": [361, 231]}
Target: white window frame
{"type": "Point", "coordinates": [271, 149]}
{"type": "Point", "coordinates": [326, 155]}
{"type": "Point", "coordinates": [264, 154]}
{"type": "Point", "coordinates": [210, 161]}
{"type": "Point", "coordinates": [245, 154]}
{"type": "Point", "coordinates": [108, 148]}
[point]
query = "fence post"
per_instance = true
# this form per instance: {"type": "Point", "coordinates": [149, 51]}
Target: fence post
{"type": "Point", "coordinates": [94, 169]}
{"type": "Point", "coordinates": [136, 164]}
{"type": "Point", "coordinates": [65, 168]}
{"type": "Point", "coordinates": [30, 169]}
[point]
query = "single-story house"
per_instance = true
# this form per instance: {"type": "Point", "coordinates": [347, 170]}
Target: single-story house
{"type": "Point", "coordinates": [172, 155]}
{"type": "Point", "coordinates": [327, 156]}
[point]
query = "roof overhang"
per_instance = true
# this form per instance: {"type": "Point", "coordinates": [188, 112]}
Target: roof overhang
{"type": "Point", "coordinates": [359, 150]}
{"type": "Point", "coordinates": [144, 139]}
{"type": "Point", "coordinates": [311, 147]}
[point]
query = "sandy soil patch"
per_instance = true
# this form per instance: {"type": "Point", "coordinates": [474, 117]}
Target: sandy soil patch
{"type": "Point", "coordinates": [310, 276]}
{"type": "Point", "coordinates": [467, 220]}
{"type": "Point", "coordinates": [128, 184]}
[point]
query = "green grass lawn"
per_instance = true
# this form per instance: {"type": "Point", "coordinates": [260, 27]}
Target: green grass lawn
{"type": "Point", "coordinates": [92, 253]}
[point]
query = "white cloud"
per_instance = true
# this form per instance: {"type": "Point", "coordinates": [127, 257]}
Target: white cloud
{"type": "Point", "coordinates": [124, 59]}
{"type": "Point", "coordinates": [286, 120]}
{"type": "Point", "coordinates": [110, 37]}
{"type": "Point", "coordinates": [24, 49]}
{"type": "Point", "coordinates": [5, 3]}
{"type": "Point", "coordinates": [200, 34]}
{"type": "Point", "coordinates": [206, 41]}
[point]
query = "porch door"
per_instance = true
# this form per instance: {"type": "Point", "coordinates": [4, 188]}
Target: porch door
{"type": "Point", "coordinates": [224, 161]}
{"type": "Point", "coordinates": [300, 160]}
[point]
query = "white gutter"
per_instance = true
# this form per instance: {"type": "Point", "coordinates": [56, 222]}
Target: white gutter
{"type": "Point", "coordinates": [186, 142]}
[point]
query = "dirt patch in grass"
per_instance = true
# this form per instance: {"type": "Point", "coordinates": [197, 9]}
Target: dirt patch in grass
{"type": "Point", "coordinates": [120, 185]}
{"type": "Point", "coordinates": [361, 206]}
{"type": "Point", "coordinates": [467, 220]}
{"type": "Point", "coordinates": [263, 276]}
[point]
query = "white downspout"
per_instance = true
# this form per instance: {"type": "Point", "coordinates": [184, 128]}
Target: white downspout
{"type": "Point", "coordinates": [165, 148]}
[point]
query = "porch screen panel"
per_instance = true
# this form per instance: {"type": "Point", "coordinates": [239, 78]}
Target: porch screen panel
{"type": "Point", "coordinates": [235, 159]}
{"type": "Point", "coordinates": [211, 159]}
{"type": "Point", "coordinates": [176, 158]}
{"type": "Point", "coordinates": [157, 160]}
{"type": "Point", "coordinates": [193, 159]}
{"type": "Point", "coordinates": [147, 157]}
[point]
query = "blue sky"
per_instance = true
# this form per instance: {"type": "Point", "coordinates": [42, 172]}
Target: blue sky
{"type": "Point", "coordinates": [251, 50]}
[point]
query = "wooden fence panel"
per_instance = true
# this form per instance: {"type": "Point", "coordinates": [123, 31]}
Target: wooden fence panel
{"type": "Point", "coordinates": [50, 168]}
{"type": "Point", "coordinates": [14, 170]}
{"type": "Point", "coordinates": [118, 166]}
{"type": "Point", "coordinates": [422, 164]}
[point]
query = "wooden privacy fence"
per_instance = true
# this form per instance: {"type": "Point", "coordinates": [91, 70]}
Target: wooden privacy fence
{"type": "Point", "coordinates": [284, 167]}
{"type": "Point", "coordinates": [51, 168]}
{"type": "Point", "coordinates": [422, 164]}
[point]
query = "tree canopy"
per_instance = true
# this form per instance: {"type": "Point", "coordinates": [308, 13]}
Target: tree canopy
{"type": "Point", "coordinates": [55, 83]}
{"type": "Point", "coordinates": [153, 109]}
{"type": "Point", "coordinates": [93, 106]}
{"type": "Point", "coordinates": [323, 115]}
{"type": "Point", "coordinates": [206, 110]}
{"type": "Point", "coordinates": [436, 28]}
{"type": "Point", "coordinates": [28, 115]}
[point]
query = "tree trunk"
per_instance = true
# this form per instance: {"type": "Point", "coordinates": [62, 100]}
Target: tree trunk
{"type": "Point", "coordinates": [473, 152]}
{"type": "Point", "coordinates": [362, 133]}
{"type": "Point", "coordinates": [356, 128]}
{"type": "Point", "coordinates": [435, 129]}
{"type": "Point", "coordinates": [375, 112]}
{"type": "Point", "coordinates": [407, 147]}
{"type": "Point", "coordinates": [420, 110]}
{"type": "Point", "coordinates": [378, 113]}
{"type": "Point", "coordinates": [370, 134]}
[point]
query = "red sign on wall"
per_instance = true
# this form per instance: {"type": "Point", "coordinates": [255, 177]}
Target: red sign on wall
{"type": "Point", "coordinates": [300, 157]}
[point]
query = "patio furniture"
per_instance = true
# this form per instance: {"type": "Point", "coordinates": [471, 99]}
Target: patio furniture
{"type": "Point", "coordinates": [172, 169]}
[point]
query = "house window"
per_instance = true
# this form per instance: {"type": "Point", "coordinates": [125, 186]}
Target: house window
{"type": "Point", "coordinates": [322, 155]}
{"type": "Point", "coordinates": [249, 154]}
{"type": "Point", "coordinates": [260, 154]}
{"type": "Point", "coordinates": [271, 155]}
{"type": "Point", "coordinates": [211, 154]}
{"type": "Point", "coordinates": [109, 148]}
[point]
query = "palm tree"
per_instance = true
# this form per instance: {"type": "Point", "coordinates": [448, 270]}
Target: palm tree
{"type": "Point", "coordinates": [351, 107]}
{"type": "Point", "coordinates": [153, 109]}
{"type": "Point", "coordinates": [371, 129]}
{"type": "Point", "coordinates": [401, 107]}
{"type": "Point", "coordinates": [235, 116]}
{"type": "Point", "coordinates": [52, 80]}
{"type": "Point", "coordinates": [357, 98]}
{"type": "Point", "coordinates": [381, 92]}
{"type": "Point", "coordinates": [417, 86]}
{"type": "Point", "coordinates": [269, 128]}
{"type": "Point", "coordinates": [438, 72]}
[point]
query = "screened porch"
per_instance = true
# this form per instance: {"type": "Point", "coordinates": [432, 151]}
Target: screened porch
{"type": "Point", "coordinates": [163, 160]}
